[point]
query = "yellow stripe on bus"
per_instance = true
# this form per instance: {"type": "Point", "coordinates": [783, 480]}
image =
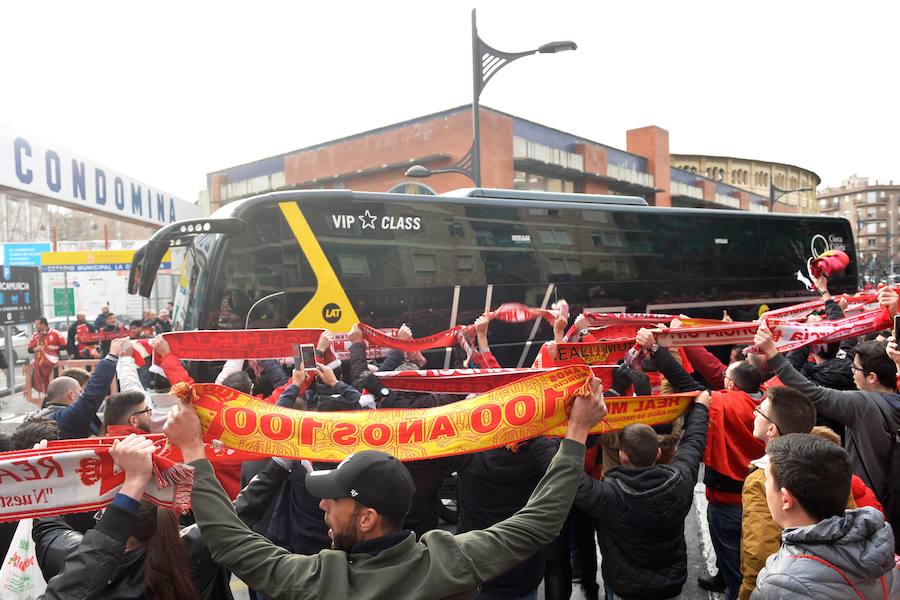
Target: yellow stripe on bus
{"type": "Point", "coordinates": [329, 307]}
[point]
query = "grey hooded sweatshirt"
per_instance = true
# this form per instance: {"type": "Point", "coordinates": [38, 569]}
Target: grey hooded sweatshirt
{"type": "Point", "coordinates": [859, 544]}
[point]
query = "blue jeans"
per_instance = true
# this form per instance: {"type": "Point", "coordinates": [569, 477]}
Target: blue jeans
{"type": "Point", "coordinates": [725, 531]}
{"type": "Point", "coordinates": [532, 595]}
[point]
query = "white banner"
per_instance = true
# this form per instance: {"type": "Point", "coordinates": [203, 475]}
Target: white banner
{"type": "Point", "coordinates": [32, 165]}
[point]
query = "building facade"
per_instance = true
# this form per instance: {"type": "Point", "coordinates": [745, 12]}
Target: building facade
{"type": "Point", "coordinates": [756, 176]}
{"type": "Point", "coordinates": [516, 154]}
{"type": "Point", "coordinates": [873, 210]}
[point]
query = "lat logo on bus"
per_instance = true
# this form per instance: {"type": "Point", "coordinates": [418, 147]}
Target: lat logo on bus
{"type": "Point", "coordinates": [370, 221]}
{"type": "Point", "coordinates": [331, 312]}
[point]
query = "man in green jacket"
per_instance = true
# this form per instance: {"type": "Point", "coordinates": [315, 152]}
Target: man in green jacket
{"type": "Point", "coordinates": [372, 557]}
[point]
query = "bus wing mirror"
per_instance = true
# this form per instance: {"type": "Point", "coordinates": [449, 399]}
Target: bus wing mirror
{"type": "Point", "coordinates": [134, 276]}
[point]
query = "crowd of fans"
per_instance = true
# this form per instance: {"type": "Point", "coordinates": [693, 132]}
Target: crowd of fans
{"type": "Point", "coordinates": [800, 455]}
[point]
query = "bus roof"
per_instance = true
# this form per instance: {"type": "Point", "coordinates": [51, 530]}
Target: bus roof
{"type": "Point", "coordinates": [493, 197]}
{"type": "Point", "coordinates": [548, 196]}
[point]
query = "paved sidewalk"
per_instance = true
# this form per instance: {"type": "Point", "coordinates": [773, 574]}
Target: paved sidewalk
{"type": "Point", "coordinates": [13, 409]}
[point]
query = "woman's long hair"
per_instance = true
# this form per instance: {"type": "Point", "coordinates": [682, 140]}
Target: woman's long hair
{"type": "Point", "coordinates": [166, 572]}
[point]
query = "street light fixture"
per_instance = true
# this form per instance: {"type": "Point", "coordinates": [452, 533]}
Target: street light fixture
{"type": "Point", "coordinates": [776, 192]}
{"type": "Point", "coordinates": [486, 62]}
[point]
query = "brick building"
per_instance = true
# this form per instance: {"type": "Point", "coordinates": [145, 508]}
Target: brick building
{"type": "Point", "coordinates": [516, 153]}
{"type": "Point", "coordinates": [874, 213]}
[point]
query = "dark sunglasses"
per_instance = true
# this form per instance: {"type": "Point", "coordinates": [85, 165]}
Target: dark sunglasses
{"type": "Point", "coordinates": [141, 412]}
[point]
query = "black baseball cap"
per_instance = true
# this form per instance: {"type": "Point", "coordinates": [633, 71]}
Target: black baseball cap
{"type": "Point", "coordinates": [372, 478]}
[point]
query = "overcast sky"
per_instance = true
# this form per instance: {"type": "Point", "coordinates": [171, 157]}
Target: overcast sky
{"type": "Point", "coordinates": [174, 90]}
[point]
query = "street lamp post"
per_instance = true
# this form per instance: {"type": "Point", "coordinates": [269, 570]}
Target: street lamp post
{"type": "Point", "coordinates": [486, 62]}
{"type": "Point", "coordinates": [776, 192]}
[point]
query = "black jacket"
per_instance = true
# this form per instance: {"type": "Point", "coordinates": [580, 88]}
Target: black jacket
{"type": "Point", "coordinates": [297, 522]}
{"type": "Point", "coordinates": [834, 373]}
{"type": "Point", "coordinates": [94, 559]}
{"type": "Point", "coordinates": [494, 485]}
{"type": "Point", "coordinates": [359, 364]}
{"type": "Point", "coordinates": [640, 514]}
{"type": "Point", "coordinates": [73, 560]}
{"type": "Point", "coordinates": [428, 475]}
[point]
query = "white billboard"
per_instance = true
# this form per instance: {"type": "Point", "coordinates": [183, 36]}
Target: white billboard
{"type": "Point", "coordinates": [32, 165]}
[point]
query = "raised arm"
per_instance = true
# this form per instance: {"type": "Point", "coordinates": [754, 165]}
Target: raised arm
{"type": "Point", "coordinates": [483, 359]}
{"type": "Point", "coordinates": [708, 365]}
{"type": "Point", "coordinates": [89, 567]}
{"type": "Point", "coordinates": [845, 407]}
{"type": "Point", "coordinates": [495, 550]}
{"type": "Point", "coordinates": [75, 420]}
{"type": "Point", "coordinates": [233, 365]}
{"type": "Point", "coordinates": [169, 363]}
{"type": "Point", "coordinates": [680, 380]}
{"type": "Point", "coordinates": [693, 440]}
{"type": "Point", "coordinates": [261, 564]}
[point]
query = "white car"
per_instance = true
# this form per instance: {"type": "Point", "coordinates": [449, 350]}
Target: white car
{"type": "Point", "coordinates": [20, 337]}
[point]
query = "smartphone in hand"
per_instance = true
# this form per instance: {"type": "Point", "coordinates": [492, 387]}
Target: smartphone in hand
{"type": "Point", "coordinates": [298, 357]}
{"type": "Point", "coordinates": [308, 357]}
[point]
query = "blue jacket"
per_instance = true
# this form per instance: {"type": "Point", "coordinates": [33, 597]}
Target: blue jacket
{"type": "Point", "coordinates": [75, 421]}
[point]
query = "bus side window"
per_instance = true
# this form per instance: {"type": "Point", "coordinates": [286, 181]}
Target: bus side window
{"type": "Point", "coordinates": [714, 247]}
{"type": "Point", "coordinates": [785, 247]}
{"type": "Point", "coordinates": [644, 247]}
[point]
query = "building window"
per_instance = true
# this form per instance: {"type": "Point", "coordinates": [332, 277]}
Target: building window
{"type": "Point", "coordinates": [412, 188]}
{"type": "Point", "coordinates": [870, 242]}
{"type": "Point", "coordinates": [465, 263]}
{"type": "Point", "coordinates": [595, 216]}
{"type": "Point", "coordinates": [555, 236]}
{"type": "Point", "coordinates": [565, 266]}
{"type": "Point", "coordinates": [352, 265]}
{"type": "Point", "coordinates": [455, 229]}
{"type": "Point", "coordinates": [605, 239]}
{"type": "Point", "coordinates": [425, 263]}
{"type": "Point", "coordinates": [542, 183]}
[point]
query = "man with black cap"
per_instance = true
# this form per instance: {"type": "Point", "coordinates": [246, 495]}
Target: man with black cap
{"type": "Point", "coordinates": [365, 500]}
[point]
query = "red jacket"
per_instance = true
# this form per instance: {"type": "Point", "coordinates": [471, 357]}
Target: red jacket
{"type": "Point", "coordinates": [730, 445]}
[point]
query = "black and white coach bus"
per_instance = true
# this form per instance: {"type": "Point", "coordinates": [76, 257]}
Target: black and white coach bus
{"type": "Point", "coordinates": [329, 258]}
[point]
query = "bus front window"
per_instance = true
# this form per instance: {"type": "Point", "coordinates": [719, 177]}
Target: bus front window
{"type": "Point", "coordinates": [194, 283]}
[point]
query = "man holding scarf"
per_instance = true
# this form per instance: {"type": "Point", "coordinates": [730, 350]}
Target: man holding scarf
{"type": "Point", "coordinates": [871, 413]}
{"type": "Point", "coordinates": [364, 507]}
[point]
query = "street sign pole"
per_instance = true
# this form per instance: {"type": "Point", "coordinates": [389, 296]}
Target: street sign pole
{"type": "Point", "coordinates": [10, 364]}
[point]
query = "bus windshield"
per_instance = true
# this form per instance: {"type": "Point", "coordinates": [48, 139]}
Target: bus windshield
{"type": "Point", "coordinates": [195, 281]}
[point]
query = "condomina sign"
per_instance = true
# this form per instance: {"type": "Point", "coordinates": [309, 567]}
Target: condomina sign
{"type": "Point", "coordinates": [31, 165]}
